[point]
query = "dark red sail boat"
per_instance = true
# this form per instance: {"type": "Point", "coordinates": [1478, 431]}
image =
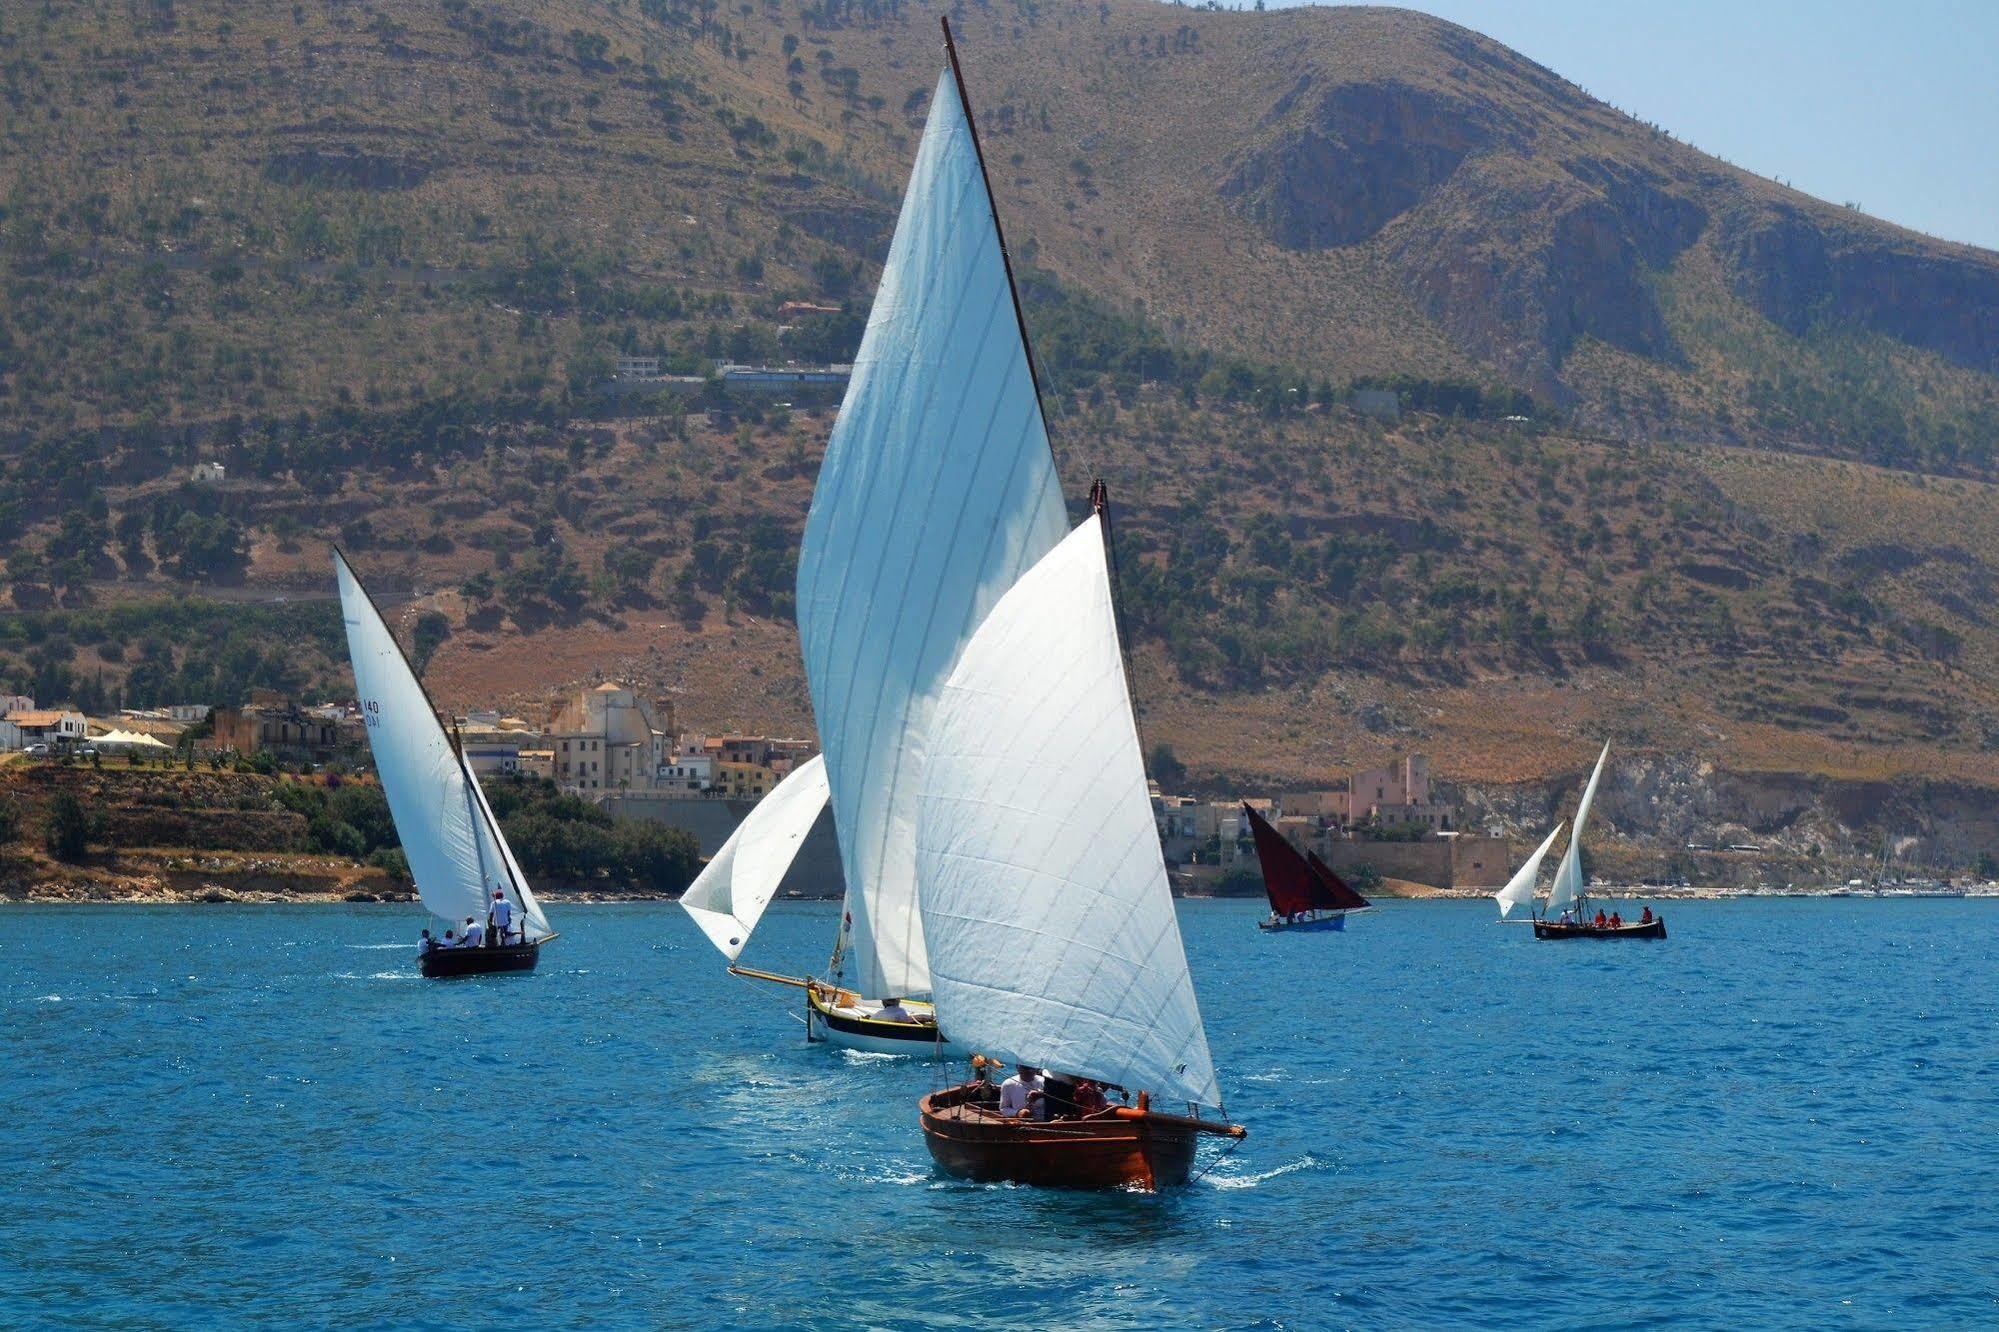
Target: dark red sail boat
{"type": "Point", "coordinates": [1305, 893]}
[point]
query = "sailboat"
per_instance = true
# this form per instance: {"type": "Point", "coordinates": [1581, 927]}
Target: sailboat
{"type": "Point", "coordinates": [1052, 937]}
{"type": "Point", "coordinates": [1304, 892]}
{"type": "Point", "coordinates": [937, 492]}
{"type": "Point", "coordinates": [455, 850]}
{"type": "Point", "coordinates": [1567, 915]}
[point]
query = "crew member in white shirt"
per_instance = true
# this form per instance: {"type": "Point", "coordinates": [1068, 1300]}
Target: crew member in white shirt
{"type": "Point", "coordinates": [1017, 1091]}
{"type": "Point", "coordinates": [893, 1011]}
{"type": "Point", "coordinates": [475, 933]}
{"type": "Point", "coordinates": [502, 918]}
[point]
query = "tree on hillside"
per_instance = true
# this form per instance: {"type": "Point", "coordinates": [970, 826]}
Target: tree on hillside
{"type": "Point", "coordinates": [10, 824]}
{"type": "Point", "coordinates": [1167, 769]}
{"type": "Point", "coordinates": [69, 827]}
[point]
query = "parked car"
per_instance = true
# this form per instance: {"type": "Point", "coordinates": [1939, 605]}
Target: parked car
{"type": "Point", "coordinates": [39, 751]}
{"type": "Point", "coordinates": [88, 751]}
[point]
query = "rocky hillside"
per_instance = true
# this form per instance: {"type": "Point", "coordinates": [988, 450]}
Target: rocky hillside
{"type": "Point", "coordinates": [376, 258]}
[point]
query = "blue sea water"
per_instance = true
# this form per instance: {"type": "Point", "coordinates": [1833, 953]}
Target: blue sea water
{"type": "Point", "coordinates": [1786, 1115]}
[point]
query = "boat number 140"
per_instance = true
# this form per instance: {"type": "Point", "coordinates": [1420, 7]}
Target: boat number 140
{"type": "Point", "coordinates": [371, 712]}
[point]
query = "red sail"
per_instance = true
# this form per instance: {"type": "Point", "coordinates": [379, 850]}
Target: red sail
{"type": "Point", "coordinates": [1344, 897]}
{"type": "Point", "coordinates": [1291, 883]}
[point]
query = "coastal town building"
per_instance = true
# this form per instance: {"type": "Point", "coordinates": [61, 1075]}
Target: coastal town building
{"type": "Point", "coordinates": [688, 773]}
{"type": "Point", "coordinates": [270, 723]}
{"type": "Point", "coordinates": [743, 781]}
{"type": "Point", "coordinates": [608, 738]}
{"type": "Point", "coordinates": [10, 737]}
{"type": "Point", "coordinates": [48, 726]}
{"type": "Point", "coordinates": [15, 703]}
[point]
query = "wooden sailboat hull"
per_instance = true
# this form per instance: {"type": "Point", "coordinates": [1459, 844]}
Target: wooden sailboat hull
{"type": "Point", "coordinates": [840, 1025]}
{"type": "Point", "coordinates": [1116, 1148]}
{"type": "Point", "coordinates": [1554, 929]}
{"type": "Point", "coordinates": [445, 963]}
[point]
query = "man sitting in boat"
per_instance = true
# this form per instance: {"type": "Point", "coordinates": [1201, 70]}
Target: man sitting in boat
{"type": "Point", "coordinates": [475, 933]}
{"type": "Point", "coordinates": [1600, 921]}
{"type": "Point", "coordinates": [1089, 1098]}
{"type": "Point", "coordinates": [1017, 1093]}
{"type": "Point", "coordinates": [449, 940]}
{"type": "Point", "coordinates": [425, 944]}
{"type": "Point", "coordinates": [893, 1011]}
{"type": "Point", "coordinates": [500, 918]}
{"type": "Point", "coordinates": [1616, 921]}
{"type": "Point", "coordinates": [1646, 919]}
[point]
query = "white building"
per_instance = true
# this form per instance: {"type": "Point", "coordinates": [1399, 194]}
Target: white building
{"type": "Point", "coordinates": [208, 474]}
{"type": "Point", "coordinates": [49, 726]}
{"type": "Point", "coordinates": [494, 758]}
{"type": "Point", "coordinates": [15, 703]}
{"type": "Point", "coordinates": [10, 737]}
{"type": "Point", "coordinates": [688, 772]}
{"type": "Point", "coordinates": [638, 367]}
{"type": "Point", "coordinates": [189, 712]}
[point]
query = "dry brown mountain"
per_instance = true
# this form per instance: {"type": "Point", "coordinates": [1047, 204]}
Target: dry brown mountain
{"type": "Point", "coordinates": [375, 257]}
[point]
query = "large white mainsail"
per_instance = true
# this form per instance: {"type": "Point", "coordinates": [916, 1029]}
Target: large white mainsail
{"type": "Point", "coordinates": [728, 897]}
{"type": "Point", "coordinates": [938, 490]}
{"type": "Point", "coordinates": [1051, 929]}
{"type": "Point", "coordinates": [455, 851]}
{"type": "Point", "coordinates": [1568, 884]}
{"type": "Point", "coordinates": [1519, 890]}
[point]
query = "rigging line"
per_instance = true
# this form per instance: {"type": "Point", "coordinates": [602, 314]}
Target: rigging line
{"type": "Point", "coordinates": [1220, 1157]}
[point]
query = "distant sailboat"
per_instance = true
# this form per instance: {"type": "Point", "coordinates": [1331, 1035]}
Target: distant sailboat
{"type": "Point", "coordinates": [1567, 915]}
{"type": "Point", "coordinates": [1304, 892]}
{"type": "Point", "coordinates": [1052, 934]}
{"type": "Point", "coordinates": [449, 836]}
{"type": "Point", "coordinates": [938, 490]}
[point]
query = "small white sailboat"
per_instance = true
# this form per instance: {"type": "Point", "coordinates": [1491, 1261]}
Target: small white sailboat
{"type": "Point", "coordinates": [455, 850]}
{"type": "Point", "coordinates": [728, 897]}
{"type": "Point", "coordinates": [1052, 934]}
{"type": "Point", "coordinates": [937, 492]}
{"type": "Point", "coordinates": [1566, 916]}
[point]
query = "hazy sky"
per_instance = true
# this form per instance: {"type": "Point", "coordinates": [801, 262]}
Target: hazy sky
{"type": "Point", "coordinates": [1893, 104]}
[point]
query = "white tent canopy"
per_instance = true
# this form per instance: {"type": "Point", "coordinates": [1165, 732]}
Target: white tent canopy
{"type": "Point", "coordinates": [130, 740]}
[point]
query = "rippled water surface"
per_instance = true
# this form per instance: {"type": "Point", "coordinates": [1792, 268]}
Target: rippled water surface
{"type": "Point", "coordinates": [1786, 1114]}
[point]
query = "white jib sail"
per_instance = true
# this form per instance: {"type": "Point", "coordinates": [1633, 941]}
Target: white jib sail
{"type": "Point", "coordinates": [937, 491]}
{"type": "Point", "coordinates": [728, 897]}
{"type": "Point", "coordinates": [1052, 933]}
{"type": "Point", "coordinates": [1568, 884]}
{"type": "Point", "coordinates": [1519, 889]}
{"type": "Point", "coordinates": [495, 843]}
{"type": "Point", "coordinates": [450, 855]}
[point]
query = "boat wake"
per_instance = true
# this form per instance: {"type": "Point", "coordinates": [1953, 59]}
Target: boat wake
{"type": "Point", "coordinates": [1221, 1181]}
{"type": "Point", "coordinates": [377, 975]}
{"type": "Point", "coordinates": [407, 947]}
